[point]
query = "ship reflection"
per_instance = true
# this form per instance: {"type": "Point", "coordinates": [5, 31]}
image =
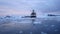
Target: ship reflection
{"type": "Point", "coordinates": [32, 16]}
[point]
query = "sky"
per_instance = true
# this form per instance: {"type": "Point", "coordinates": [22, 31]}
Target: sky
{"type": "Point", "coordinates": [25, 7]}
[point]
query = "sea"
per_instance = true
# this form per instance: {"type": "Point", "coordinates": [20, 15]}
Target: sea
{"type": "Point", "coordinates": [41, 25]}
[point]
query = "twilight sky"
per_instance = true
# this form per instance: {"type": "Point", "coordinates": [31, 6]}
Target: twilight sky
{"type": "Point", "coordinates": [24, 7]}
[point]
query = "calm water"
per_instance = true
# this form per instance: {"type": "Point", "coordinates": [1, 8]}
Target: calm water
{"type": "Point", "coordinates": [30, 26]}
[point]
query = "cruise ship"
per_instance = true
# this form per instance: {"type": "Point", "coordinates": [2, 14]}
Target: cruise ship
{"type": "Point", "coordinates": [33, 15]}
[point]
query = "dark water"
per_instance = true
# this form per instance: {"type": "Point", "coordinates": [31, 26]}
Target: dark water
{"type": "Point", "coordinates": [29, 26]}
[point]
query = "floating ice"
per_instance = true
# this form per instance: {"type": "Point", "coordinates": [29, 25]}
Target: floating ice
{"type": "Point", "coordinates": [43, 33]}
{"type": "Point", "coordinates": [21, 32]}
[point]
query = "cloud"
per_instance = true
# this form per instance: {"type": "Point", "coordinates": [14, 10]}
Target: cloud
{"type": "Point", "coordinates": [45, 6]}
